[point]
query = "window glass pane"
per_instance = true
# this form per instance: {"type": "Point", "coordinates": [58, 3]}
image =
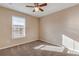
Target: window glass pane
{"type": "Point", "coordinates": [67, 42]}
{"type": "Point", "coordinates": [76, 46]}
{"type": "Point", "coordinates": [18, 27]}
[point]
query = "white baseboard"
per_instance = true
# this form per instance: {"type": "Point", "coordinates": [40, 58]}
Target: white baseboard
{"type": "Point", "coordinates": [5, 47]}
{"type": "Point", "coordinates": [49, 42]}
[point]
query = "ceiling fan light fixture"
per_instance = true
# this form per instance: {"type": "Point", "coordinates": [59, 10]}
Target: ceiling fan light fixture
{"type": "Point", "coordinates": [36, 9]}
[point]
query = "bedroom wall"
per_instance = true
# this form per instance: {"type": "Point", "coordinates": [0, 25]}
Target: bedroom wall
{"type": "Point", "coordinates": [32, 28]}
{"type": "Point", "coordinates": [52, 27]}
{"type": "Point", "coordinates": [55, 25]}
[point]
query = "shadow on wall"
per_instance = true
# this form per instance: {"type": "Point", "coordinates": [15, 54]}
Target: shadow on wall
{"type": "Point", "coordinates": [69, 46]}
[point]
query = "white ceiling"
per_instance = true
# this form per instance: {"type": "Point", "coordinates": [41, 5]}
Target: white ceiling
{"type": "Point", "coordinates": [50, 8]}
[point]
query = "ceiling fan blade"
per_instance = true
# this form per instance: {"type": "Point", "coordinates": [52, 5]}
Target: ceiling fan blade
{"type": "Point", "coordinates": [44, 4]}
{"type": "Point", "coordinates": [36, 4]}
{"type": "Point", "coordinates": [41, 9]}
{"type": "Point", "coordinates": [34, 10]}
{"type": "Point", "coordinates": [30, 6]}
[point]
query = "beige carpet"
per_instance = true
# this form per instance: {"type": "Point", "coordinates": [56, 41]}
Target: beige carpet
{"type": "Point", "coordinates": [36, 48]}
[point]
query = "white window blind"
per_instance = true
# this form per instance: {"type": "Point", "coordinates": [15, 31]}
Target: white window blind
{"type": "Point", "coordinates": [18, 27]}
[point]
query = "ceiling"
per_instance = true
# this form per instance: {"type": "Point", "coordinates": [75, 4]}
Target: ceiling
{"type": "Point", "coordinates": [50, 8]}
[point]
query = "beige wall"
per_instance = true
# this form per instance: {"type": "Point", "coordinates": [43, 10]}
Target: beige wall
{"type": "Point", "coordinates": [52, 27]}
{"type": "Point", "coordinates": [32, 28]}
{"type": "Point", "coordinates": [65, 22]}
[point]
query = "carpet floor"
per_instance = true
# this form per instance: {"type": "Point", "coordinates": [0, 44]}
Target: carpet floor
{"type": "Point", "coordinates": [36, 48]}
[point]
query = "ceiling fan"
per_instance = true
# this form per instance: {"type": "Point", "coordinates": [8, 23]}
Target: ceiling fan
{"type": "Point", "coordinates": [37, 7]}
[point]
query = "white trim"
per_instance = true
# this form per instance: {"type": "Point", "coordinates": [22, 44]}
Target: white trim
{"type": "Point", "coordinates": [5, 47]}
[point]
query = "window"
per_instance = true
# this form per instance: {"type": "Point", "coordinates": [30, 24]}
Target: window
{"type": "Point", "coordinates": [71, 44]}
{"type": "Point", "coordinates": [18, 27]}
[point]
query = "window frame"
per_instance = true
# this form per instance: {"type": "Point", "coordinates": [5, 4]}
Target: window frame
{"type": "Point", "coordinates": [23, 35]}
